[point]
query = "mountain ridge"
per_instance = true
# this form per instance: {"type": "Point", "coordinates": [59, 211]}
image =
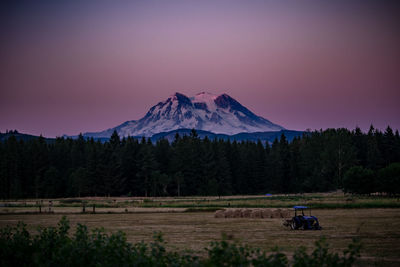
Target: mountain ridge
{"type": "Point", "coordinates": [264, 137]}
{"type": "Point", "coordinates": [208, 112]}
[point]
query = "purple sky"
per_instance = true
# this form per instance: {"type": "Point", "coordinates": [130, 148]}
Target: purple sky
{"type": "Point", "coordinates": [75, 66]}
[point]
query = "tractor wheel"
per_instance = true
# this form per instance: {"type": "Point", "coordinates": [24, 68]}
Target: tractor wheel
{"type": "Point", "coordinates": [293, 225]}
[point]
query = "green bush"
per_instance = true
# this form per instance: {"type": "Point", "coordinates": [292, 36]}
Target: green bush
{"type": "Point", "coordinates": [358, 180]}
{"type": "Point", "coordinates": [55, 247]}
{"type": "Point", "coordinates": [390, 177]}
{"type": "Point", "coordinates": [322, 257]}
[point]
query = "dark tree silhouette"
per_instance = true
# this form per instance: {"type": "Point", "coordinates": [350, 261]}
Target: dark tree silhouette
{"type": "Point", "coordinates": [361, 163]}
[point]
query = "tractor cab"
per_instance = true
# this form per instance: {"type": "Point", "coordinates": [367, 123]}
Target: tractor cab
{"type": "Point", "coordinates": [300, 209]}
{"type": "Point", "coordinates": [302, 221]}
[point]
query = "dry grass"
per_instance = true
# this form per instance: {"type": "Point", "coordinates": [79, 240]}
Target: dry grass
{"type": "Point", "coordinates": [317, 200]}
{"type": "Point", "coordinates": [377, 228]}
{"type": "Point", "coordinates": [77, 210]}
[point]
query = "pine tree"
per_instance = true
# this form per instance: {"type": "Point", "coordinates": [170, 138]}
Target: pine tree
{"type": "Point", "coordinates": [51, 183]}
{"type": "Point", "coordinates": [360, 145]}
{"type": "Point", "coordinates": [93, 170]}
{"type": "Point", "coordinates": [114, 140]}
{"type": "Point", "coordinates": [318, 161]}
{"type": "Point", "coordinates": [284, 166]}
{"type": "Point", "coordinates": [389, 146]}
{"type": "Point", "coordinates": [261, 180]}
{"type": "Point", "coordinates": [374, 155]}
{"type": "Point", "coordinates": [146, 165]}
{"type": "Point", "coordinates": [397, 146]}
{"type": "Point", "coordinates": [294, 173]}
{"type": "Point", "coordinates": [337, 156]}
{"type": "Point", "coordinates": [129, 165]}
{"type": "Point", "coordinates": [208, 170]}
{"type": "Point", "coordinates": [223, 174]}
{"type": "Point", "coordinates": [40, 163]}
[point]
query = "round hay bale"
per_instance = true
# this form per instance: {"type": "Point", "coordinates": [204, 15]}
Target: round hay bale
{"type": "Point", "coordinates": [252, 213]}
{"type": "Point", "coordinates": [229, 213]}
{"type": "Point", "coordinates": [237, 213]}
{"type": "Point", "coordinates": [272, 212]}
{"type": "Point", "coordinates": [275, 213]}
{"type": "Point", "coordinates": [256, 213]}
{"type": "Point", "coordinates": [246, 213]}
{"type": "Point", "coordinates": [285, 213]}
{"type": "Point", "coordinates": [279, 213]}
{"type": "Point", "coordinates": [219, 214]}
{"type": "Point", "coordinates": [266, 213]}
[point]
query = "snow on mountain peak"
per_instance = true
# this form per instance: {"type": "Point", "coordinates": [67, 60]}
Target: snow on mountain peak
{"type": "Point", "coordinates": [204, 111]}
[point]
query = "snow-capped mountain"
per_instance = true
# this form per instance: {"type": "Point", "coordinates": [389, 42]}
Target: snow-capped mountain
{"type": "Point", "coordinates": [218, 114]}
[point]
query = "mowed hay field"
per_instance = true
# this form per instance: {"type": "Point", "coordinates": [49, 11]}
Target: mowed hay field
{"type": "Point", "coordinates": [378, 229]}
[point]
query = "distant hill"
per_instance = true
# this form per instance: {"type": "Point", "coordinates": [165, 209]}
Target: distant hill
{"type": "Point", "coordinates": [262, 136]}
{"type": "Point", "coordinates": [170, 136]}
{"type": "Point", "coordinates": [21, 136]}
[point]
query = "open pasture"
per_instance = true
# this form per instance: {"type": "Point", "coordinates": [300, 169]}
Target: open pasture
{"type": "Point", "coordinates": [378, 230]}
{"type": "Point", "coordinates": [207, 203]}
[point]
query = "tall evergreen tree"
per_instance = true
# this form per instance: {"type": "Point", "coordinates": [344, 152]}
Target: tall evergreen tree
{"type": "Point", "coordinates": [389, 146]}
{"type": "Point", "coordinates": [318, 161]}
{"type": "Point", "coordinates": [146, 165]}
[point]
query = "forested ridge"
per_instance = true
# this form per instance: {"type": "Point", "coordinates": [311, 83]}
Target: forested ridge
{"type": "Point", "coordinates": [318, 161]}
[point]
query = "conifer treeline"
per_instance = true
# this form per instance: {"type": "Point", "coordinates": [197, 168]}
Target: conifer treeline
{"type": "Point", "coordinates": [189, 165]}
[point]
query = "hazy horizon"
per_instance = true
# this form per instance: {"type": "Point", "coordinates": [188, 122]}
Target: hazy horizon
{"type": "Point", "coordinates": [83, 66]}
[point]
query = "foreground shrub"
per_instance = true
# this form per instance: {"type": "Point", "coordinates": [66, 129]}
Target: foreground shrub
{"type": "Point", "coordinates": [54, 247]}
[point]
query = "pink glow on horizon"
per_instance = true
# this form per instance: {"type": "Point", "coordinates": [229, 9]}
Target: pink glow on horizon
{"type": "Point", "coordinates": [70, 68]}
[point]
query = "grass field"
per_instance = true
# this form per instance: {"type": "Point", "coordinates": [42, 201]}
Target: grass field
{"type": "Point", "coordinates": [167, 204]}
{"type": "Point", "coordinates": [378, 230]}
